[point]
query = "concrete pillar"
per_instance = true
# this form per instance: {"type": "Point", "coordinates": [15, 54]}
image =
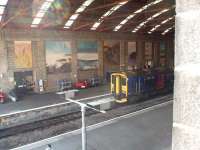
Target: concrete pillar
{"type": "Point", "coordinates": [74, 61]}
{"type": "Point", "coordinates": [100, 55]}
{"type": "Point", "coordinates": [186, 119]}
{"type": "Point", "coordinates": [140, 54]}
{"type": "Point", "coordinates": [122, 55]}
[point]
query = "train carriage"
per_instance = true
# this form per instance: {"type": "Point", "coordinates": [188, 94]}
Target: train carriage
{"type": "Point", "coordinates": [131, 86]}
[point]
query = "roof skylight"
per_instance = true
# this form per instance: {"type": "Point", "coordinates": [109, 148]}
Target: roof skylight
{"type": "Point", "coordinates": [87, 3]}
{"type": "Point", "coordinates": [72, 19]}
{"type": "Point", "coordinates": [69, 23]}
{"type": "Point", "coordinates": [41, 12]}
{"type": "Point", "coordinates": [2, 8]}
{"type": "Point", "coordinates": [106, 14]}
{"type": "Point", "coordinates": [157, 26]}
{"type": "Point", "coordinates": [36, 21]}
{"type": "Point", "coordinates": [123, 22]}
{"type": "Point", "coordinates": [45, 6]}
{"type": "Point", "coordinates": [3, 2]}
{"type": "Point", "coordinates": [167, 30]}
{"type": "Point", "coordinates": [149, 19]}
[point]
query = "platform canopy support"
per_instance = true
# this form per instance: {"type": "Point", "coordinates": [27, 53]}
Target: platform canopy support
{"type": "Point", "coordinates": [186, 123]}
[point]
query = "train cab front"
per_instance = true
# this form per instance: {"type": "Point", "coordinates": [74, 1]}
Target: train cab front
{"type": "Point", "coordinates": [119, 87]}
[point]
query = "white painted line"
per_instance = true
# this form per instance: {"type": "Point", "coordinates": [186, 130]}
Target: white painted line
{"type": "Point", "coordinates": [91, 127]}
{"type": "Point", "coordinates": [50, 106]}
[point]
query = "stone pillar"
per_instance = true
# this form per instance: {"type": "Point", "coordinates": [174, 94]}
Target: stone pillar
{"type": "Point", "coordinates": [10, 58]}
{"type": "Point", "coordinates": [171, 54]}
{"type": "Point", "coordinates": [140, 54]}
{"type": "Point", "coordinates": [3, 58]}
{"type": "Point", "coordinates": [156, 53]}
{"type": "Point", "coordinates": [186, 119]}
{"type": "Point", "coordinates": [74, 61]}
{"type": "Point", "coordinates": [39, 63]}
{"type": "Point", "coordinates": [122, 55]}
{"type": "Point", "coordinates": [100, 55]}
{"type": "Point", "coordinates": [126, 55]}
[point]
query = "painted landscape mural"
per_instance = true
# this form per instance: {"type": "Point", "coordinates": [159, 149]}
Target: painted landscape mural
{"type": "Point", "coordinates": [23, 54]}
{"type": "Point", "coordinates": [132, 55]}
{"type": "Point", "coordinates": [58, 56]}
{"type": "Point", "coordinates": [111, 55]}
{"type": "Point", "coordinates": [87, 55]}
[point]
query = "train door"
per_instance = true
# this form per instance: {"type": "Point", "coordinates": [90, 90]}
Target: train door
{"type": "Point", "coordinates": [119, 87]}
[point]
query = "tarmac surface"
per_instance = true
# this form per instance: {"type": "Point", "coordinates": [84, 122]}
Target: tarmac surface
{"type": "Point", "coordinates": [151, 130]}
{"type": "Point", "coordinates": [39, 100]}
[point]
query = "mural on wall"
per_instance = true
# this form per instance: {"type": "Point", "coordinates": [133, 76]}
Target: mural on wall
{"type": "Point", "coordinates": [162, 54]}
{"type": "Point", "coordinates": [87, 55]}
{"type": "Point", "coordinates": [132, 55]}
{"type": "Point", "coordinates": [23, 54]}
{"type": "Point", "coordinates": [58, 56]}
{"type": "Point", "coordinates": [149, 54]}
{"type": "Point", "coordinates": [111, 55]}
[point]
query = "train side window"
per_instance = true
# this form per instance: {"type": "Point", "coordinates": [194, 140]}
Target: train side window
{"type": "Point", "coordinates": [123, 81]}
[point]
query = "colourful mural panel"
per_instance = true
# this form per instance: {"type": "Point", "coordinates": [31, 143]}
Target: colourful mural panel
{"type": "Point", "coordinates": [87, 46]}
{"type": "Point", "coordinates": [23, 54]}
{"type": "Point", "coordinates": [111, 55]}
{"type": "Point", "coordinates": [58, 56]}
{"type": "Point", "coordinates": [132, 50]}
{"type": "Point", "coordinates": [87, 55]}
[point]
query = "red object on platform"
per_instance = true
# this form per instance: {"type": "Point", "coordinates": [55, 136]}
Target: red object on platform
{"type": "Point", "coordinates": [160, 81]}
{"type": "Point", "coordinates": [2, 97]}
{"type": "Point", "coordinates": [81, 84]}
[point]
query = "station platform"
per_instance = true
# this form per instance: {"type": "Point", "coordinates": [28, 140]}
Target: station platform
{"type": "Point", "coordinates": [149, 129]}
{"type": "Point", "coordinates": [41, 100]}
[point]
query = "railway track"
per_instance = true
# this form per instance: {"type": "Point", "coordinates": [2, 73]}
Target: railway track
{"type": "Point", "coordinates": [40, 124]}
{"type": "Point", "coordinates": [66, 123]}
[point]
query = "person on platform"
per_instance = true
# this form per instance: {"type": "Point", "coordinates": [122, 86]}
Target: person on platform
{"type": "Point", "coordinates": [7, 86]}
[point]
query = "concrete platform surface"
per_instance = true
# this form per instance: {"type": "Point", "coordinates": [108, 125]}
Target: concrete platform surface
{"type": "Point", "coordinates": [147, 131]}
{"type": "Point", "coordinates": [39, 100]}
